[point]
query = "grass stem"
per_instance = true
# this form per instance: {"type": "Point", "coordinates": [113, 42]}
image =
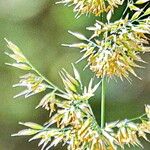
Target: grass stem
{"type": "Point", "coordinates": [103, 92]}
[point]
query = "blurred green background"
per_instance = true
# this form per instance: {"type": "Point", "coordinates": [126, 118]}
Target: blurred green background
{"type": "Point", "coordinates": [38, 28]}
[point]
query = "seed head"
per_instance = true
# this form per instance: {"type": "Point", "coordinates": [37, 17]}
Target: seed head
{"type": "Point", "coordinates": [95, 7]}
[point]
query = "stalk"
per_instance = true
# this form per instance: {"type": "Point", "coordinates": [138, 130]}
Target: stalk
{"type": "Point", "coordinates": [45, 79]}
{"type": "Point", "coordinates": [103, 92]}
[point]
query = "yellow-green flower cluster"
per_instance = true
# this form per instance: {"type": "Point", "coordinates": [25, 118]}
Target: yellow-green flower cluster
{"type": "Point", "coordinates": [114, 48]}
{"type": "Point", "coordinates": [67, 108]}
{"type": "Point", "coordinates": [120, 48]}
{"type": "Point", "coordinates": [33, 83]}
{"type": "Point", "coordinates": [95, 7]}
{"type": "Point", "coordinates": [73, 86]}
{"type": "Point", "coordinates": [129, 132]}
{"type": "Point", "coordinates": [77, 128]}
{"type": "Point", "coordinates": [36, 83]}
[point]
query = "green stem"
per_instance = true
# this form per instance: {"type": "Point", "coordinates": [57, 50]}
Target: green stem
{"type": "Point", "coordinates": [91, 111]}
{"type": "Point", "coordinates": [137, 118]}
{"type": "Point", "coordinates": [125, 10]}
{"type": "Point", "coordinates": [103, 102]}
{"type": "Point", "coordinates": [45, 79]}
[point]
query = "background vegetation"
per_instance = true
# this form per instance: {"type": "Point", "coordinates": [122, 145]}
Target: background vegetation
{"type": "Point", "coordinates": [38, 28]}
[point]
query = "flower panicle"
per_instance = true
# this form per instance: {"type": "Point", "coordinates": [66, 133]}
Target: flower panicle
{"type": "Point", "coordinates": [81, 131]}
{"type": "Point", "coordinates": [112, 50]}
{"type": "Point", "coordinates": [117, 53]}
{"type": "Point", "coordinates": [64, 107]}
{"type": "Point", "coordinates": [34, 81]}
